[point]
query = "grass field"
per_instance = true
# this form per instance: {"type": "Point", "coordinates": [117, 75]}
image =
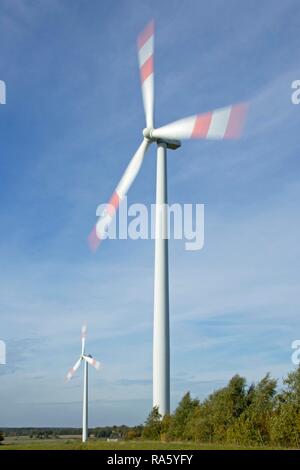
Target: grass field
{"type": "Point", "coordinates": [23, 443]}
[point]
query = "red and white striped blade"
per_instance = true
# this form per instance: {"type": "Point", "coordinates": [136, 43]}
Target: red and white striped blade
{"type": "Point", "coordinates": [92, 361]}
{"type": "Point", "coordinates": [73, 369]}
{"type": "Point", "coordinates": [146, 64]}
{"type": "Point", "coordinates": [223, 123]}
{"type": "Point", "coordinates": [125, 183]}
{"type": "Point", "coordinates": [83, 338]}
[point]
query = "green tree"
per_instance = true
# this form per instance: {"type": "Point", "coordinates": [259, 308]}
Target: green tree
{"type": "Point", "coordinates": [166, 424]}
{"type": "Point", "coordinates": [133, 433]}
{"type": "Point", "coordinates": [1, 436]}
{"type": "Point", "coordinates": [181, 417]}
{"type": "Point", "coordinates": [152, 428]}
{"type": "Point", "coordinates": [254, 415]}
{"type": "Point", "coordinates": [253, 425]}
{"type": "Point", "coordinates": [197, 427]}
{"type": "Point", "coordinates": [292, 392]}
{"type": "Point", "coordinates": [285, 422]}
{"type": "Point", "coordinates": [221, 409]}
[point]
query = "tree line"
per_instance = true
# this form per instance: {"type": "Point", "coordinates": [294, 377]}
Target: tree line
{"type": "Point", "coordinates": [258, 414]}
{"type": "Point", "coordinates": [239, 414]}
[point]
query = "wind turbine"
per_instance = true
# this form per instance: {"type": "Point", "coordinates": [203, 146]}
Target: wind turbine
{"type": "Point", "coordinates": [223, 123]}
{"type": "Point", "coordinates": [87, 359]}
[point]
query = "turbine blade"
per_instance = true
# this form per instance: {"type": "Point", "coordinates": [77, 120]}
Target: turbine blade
{"type": "Point", "coordinates": [73, 369]}
{"type": "Point", "coordinates": [92, 362]}
{"type": "Point", "coordinates": [83, 338]}
{"type": "Point", "coordinates": [145, 55]}
{"type": "Point", "coordinates": [125, 183]}
{"type": "Point", "coordinates": [223, 123]}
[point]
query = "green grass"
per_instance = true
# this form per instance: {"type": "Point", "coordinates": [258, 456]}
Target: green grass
{"type": "Point", "coordinates": [93, 444]}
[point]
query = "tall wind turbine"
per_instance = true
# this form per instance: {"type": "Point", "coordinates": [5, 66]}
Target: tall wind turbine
{"type": "Point", "coordinates": [87, 359]}
{"type": "Point", "coordinates": [223, 123]}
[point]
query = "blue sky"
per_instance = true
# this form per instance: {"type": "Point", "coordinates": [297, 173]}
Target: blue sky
{"type": "Point", "coordinates": [73, 119]}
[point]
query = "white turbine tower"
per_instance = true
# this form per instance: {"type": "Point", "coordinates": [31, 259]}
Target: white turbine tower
{"type": "Point", "coordinates": [223, 123]}
{"type": "Point", "coordinates": [87, 359]}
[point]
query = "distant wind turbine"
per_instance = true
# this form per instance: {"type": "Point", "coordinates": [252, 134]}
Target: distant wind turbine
{"type": "Point", "coordinates": [88, 359]}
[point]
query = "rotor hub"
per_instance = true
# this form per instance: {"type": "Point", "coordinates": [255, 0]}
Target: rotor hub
{"type": "Point", "coordinates": [147, 133]}
{"type": "Point", "coordinates": [170, 143]}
